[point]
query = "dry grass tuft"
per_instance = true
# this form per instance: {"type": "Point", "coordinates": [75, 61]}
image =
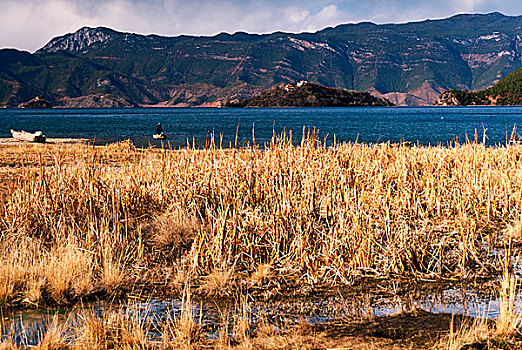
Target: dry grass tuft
{"type": "Point", "coordinates": [69, 271]}
{"type": "Point", "coordinates": [114, 330]}
{"type": "Point", "coordinates": [508, 322]}
{"type": "Point", "coordinates": [184, 331]}
{"type": "Point", "coordinates": [219, 282]}
{"type": "Point", "coordinates": [8, 345]}
{"type": "Point", "coordinates": [113, 274]}
{"type": "Point", "coordinates": [466, 335]}
{"type": "Point", "coordinates": [172, 233]}
{"type": "Point", "coordinates": [262, 274]}
{"type": "Point", "coordinates": [296, 337]}
{"type": "Point", "coordinates": [55, 337]}
{"type": "Point", "coordinates": [514, 231]}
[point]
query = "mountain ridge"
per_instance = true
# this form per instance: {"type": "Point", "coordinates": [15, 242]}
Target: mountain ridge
{"type": "Point", "coordinates": [75, 42]}
{"type": "Point", "coordinates": [408, 63]}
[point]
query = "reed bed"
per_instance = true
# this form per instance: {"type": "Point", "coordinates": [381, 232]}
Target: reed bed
{"type": "Point", "coordinates": [77, 221]}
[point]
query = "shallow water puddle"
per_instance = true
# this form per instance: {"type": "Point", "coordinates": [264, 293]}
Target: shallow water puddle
{"type": "Point", "coordinates": [28, 327]}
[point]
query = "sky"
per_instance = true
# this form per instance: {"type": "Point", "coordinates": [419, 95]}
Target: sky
{"type": "Point", "coordinates": [30, 24]}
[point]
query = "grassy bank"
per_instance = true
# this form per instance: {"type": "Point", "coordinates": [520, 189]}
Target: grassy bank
{"type": "Point", "coordinates": [79, 221]}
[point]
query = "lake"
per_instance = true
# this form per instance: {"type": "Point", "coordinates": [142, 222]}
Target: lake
{"type": "Point", "coordinates": [425, 125]}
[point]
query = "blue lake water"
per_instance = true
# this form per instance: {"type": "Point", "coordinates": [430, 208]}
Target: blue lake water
{"type": "Point", "coordinates": [426, 125]}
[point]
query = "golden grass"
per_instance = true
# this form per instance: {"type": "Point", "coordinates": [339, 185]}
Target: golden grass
{"type": "Point", "coordinates": [8, 345]}
{"type": "Point", "coordinates": [261, 274]}
{"type": "Point", "coordinates": [514, 231]}
{"type": "Point", "coordinates": [115, 330]}
{"type": "Point", "coordinates": [509, 321]}
{"type": "Point", "coordinates": [466, 334]}
{"type": "Point", "coordinates": [499, 333]}
{"type": "Point", "coordinates": [55, 338]}
{"type": "Point", "coordinates": [219, 282]}
{"type": "Point", "coordinates": [185, 330]}
{"type": "Point", "coordinates": [75, 220]}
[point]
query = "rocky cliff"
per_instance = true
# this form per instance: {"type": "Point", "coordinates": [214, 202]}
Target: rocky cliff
{"type": "Point", "coordinates": [80, 40]}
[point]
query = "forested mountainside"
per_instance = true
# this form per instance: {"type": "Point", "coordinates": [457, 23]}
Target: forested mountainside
{"type": "Point", "coordinates": [507, 92]}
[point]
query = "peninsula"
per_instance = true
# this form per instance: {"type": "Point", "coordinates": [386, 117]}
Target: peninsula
{"type": "Point", "coordinates": [305, 94]}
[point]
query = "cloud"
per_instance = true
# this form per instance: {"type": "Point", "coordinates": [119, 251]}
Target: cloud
{"type": "Point", "coordinates": [472, 4]}
{"type": "Point", "coordinates": [30, 24]}
{"type": "Point", "coordinates": [298, 20]}
{"type": "Point", "coordinates": [329, 15]}
{"type": "Point", "coordinates": [22, 23]}
{"type": "Point", "coordinates": [295, 15]}
{"type": "Point", "coordinates": [386, 11]}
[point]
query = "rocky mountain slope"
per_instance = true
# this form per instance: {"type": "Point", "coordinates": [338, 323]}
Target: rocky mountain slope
{"type": "Point", "coordinates": [507, 92]}
{"type": "Point", "coordinates": [408, 63]}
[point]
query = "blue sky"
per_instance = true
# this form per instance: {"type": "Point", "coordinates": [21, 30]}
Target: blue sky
{"type": "Point", "coordinates": [29, 24]}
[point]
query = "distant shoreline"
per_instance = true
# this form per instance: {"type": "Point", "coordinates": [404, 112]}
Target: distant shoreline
{"type": "Point", "coordinates": [52, 141]}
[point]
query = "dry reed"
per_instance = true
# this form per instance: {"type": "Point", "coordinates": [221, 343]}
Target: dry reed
{"type": "Point", "coordinates": [75, 220]}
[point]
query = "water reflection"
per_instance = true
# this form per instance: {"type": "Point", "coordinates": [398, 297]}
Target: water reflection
{"type": "Point", "coordinates": [27, 328]}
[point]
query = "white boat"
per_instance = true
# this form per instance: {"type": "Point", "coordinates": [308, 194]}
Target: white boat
{"type": "Point", "coordinates": [161, 136]}
{"type": "Point", "coordinates": [21, 135]}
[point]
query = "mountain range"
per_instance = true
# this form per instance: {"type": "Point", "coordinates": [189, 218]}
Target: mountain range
{"type": "Point", "coordinates": [410, 63]}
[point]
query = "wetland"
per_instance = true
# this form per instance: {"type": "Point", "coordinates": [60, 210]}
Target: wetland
{"type": "Point", "coordinates": [277, 246]}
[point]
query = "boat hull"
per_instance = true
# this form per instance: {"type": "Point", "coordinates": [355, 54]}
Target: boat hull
{"type": "Point", "coordinates": [159, 136]}
{"type": "Point", "coordinates": [27, 136]}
